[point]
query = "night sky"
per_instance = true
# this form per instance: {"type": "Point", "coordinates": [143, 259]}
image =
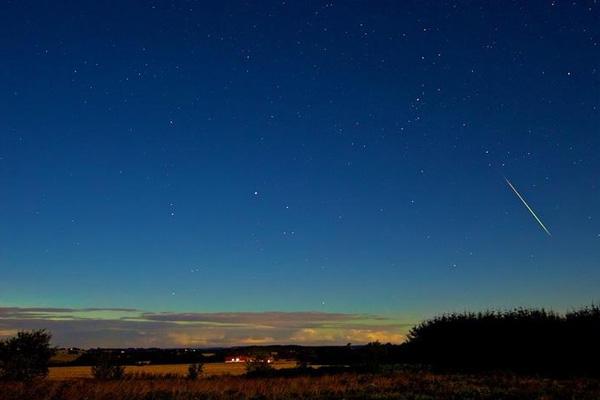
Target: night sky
{"type": "Point", "coordinates": [195, 173]}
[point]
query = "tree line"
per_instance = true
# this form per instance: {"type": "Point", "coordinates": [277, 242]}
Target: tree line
{"type": "Point", "coordinates": [533, 341]}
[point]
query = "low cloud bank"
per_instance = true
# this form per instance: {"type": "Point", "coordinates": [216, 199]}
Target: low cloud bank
{"type": "Point", "coordinates": [125, 327]}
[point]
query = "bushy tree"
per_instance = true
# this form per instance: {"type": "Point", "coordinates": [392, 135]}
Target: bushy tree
{"type": "Point", "coordinates": [195, 370]}
{"type": "Point", "coordinates": [258, 365]}
{"type": "Point", "coordinates": [108, 367]}
{"type": "Point", "coordinates": [26, 355]}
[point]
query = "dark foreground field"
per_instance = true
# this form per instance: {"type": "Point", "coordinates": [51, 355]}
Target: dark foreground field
{"type": "Point", "coordinates": [343, 386]}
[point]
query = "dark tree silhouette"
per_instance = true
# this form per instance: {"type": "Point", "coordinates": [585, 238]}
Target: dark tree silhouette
{"type": "Point", "coordinates": [259, 365]}
{"type": "Point", "coordinates": [195, 370]}
{"type": "Point", "coordinates": [108, 367]}
{"type": "Point", "coordinates": [521, 340]}
{"type": "Point", "coordinates": [26, 355]}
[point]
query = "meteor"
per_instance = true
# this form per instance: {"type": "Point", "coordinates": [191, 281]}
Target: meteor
{"type": "Point", "coordinates": [527, 205]}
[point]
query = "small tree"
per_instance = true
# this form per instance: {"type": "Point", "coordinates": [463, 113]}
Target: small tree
{"type": "Point", "coordinates": [26, 356]}
{"type": "Point", "coordinates": [259, 365]}
{"type": "Point", "coordinates": [107, 367]}
{"type": "Point", "coordinates": [195, 370]}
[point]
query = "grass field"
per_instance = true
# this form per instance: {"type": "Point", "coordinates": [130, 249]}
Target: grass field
{"type": "Point", "coordinates": [349, 386]}
{"type": "Point", "coordinates": [62, 373]}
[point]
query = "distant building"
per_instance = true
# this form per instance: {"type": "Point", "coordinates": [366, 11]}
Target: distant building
{"type": "Point", "coordinates": [238, 359]}
{"type": "Point", "coordinates": [243, 359]}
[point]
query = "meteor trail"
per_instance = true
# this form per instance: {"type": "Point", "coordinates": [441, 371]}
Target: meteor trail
{"type": "Point", "coordinates": [529, 208]}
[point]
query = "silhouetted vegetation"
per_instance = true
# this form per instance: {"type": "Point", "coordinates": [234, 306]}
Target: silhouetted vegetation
{"type": "Point", "coordinates": [151, 376]}
{"type": "Point", "coordinates": [259, 365]}
{"type": "Point", "coordinates": [194, 371]}
{"type": "Point", "coordinates": [131, 356]}
{"type": "Point", "coordinates": [349, 386]}
{"type": "Point", "coordinates": [25, 356]}
{"type": "Point", "coordinates": [108, 367]}
{"type": "Point", "coordinates": [522, 341]}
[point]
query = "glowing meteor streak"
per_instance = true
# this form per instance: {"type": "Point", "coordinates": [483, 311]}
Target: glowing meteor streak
{"type": "Point", "coordinates": [529, 208]}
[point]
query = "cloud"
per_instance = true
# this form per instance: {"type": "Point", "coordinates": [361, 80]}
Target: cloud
{"type": "Point", "coordinates": [258, 319]}
{"type": "Point", "coordinates": [57, 313]}
{"type": "Point", "coordinates": [369, 335]}
{"type": "Point", "coordinates": [126, 327]}
{"type": "Point", "coordinates": [55, 310]}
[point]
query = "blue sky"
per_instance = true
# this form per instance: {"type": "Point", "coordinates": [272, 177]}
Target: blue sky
{"type": "Point", "coordinates": [332, 157]}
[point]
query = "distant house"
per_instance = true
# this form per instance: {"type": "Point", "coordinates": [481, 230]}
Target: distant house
{"type": "Point", "coordinates": [243, 359]}
{"type": "Point", "coordinates": [238, 359]}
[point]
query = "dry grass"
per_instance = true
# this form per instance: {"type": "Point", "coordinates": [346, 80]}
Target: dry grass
{"type": "Point", "coordinates": [62, 373]}
{"type": "Point", "coordinates": [399, 386]}
{"type": "Point", "coordinates": [63, 357]}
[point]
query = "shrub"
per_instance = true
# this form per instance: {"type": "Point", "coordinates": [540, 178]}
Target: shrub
{"type": "Point", "coordinates": [25, 356]}
{"type": "Point", "coordinates": [195, 370]}
{"type": "Point", "coordinates": [151, 376]}
{"type": "Point", "coordinates": [107, 367]}
{"type": "Point", "coordinates": [259, 365]}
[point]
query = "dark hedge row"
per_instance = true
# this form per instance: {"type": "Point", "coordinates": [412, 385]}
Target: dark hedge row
{"type": "Point", "coordinates": [522, 340]}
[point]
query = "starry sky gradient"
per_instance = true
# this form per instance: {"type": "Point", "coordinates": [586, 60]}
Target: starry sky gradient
{"type": "Point", "coordinates": [342, 158]}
